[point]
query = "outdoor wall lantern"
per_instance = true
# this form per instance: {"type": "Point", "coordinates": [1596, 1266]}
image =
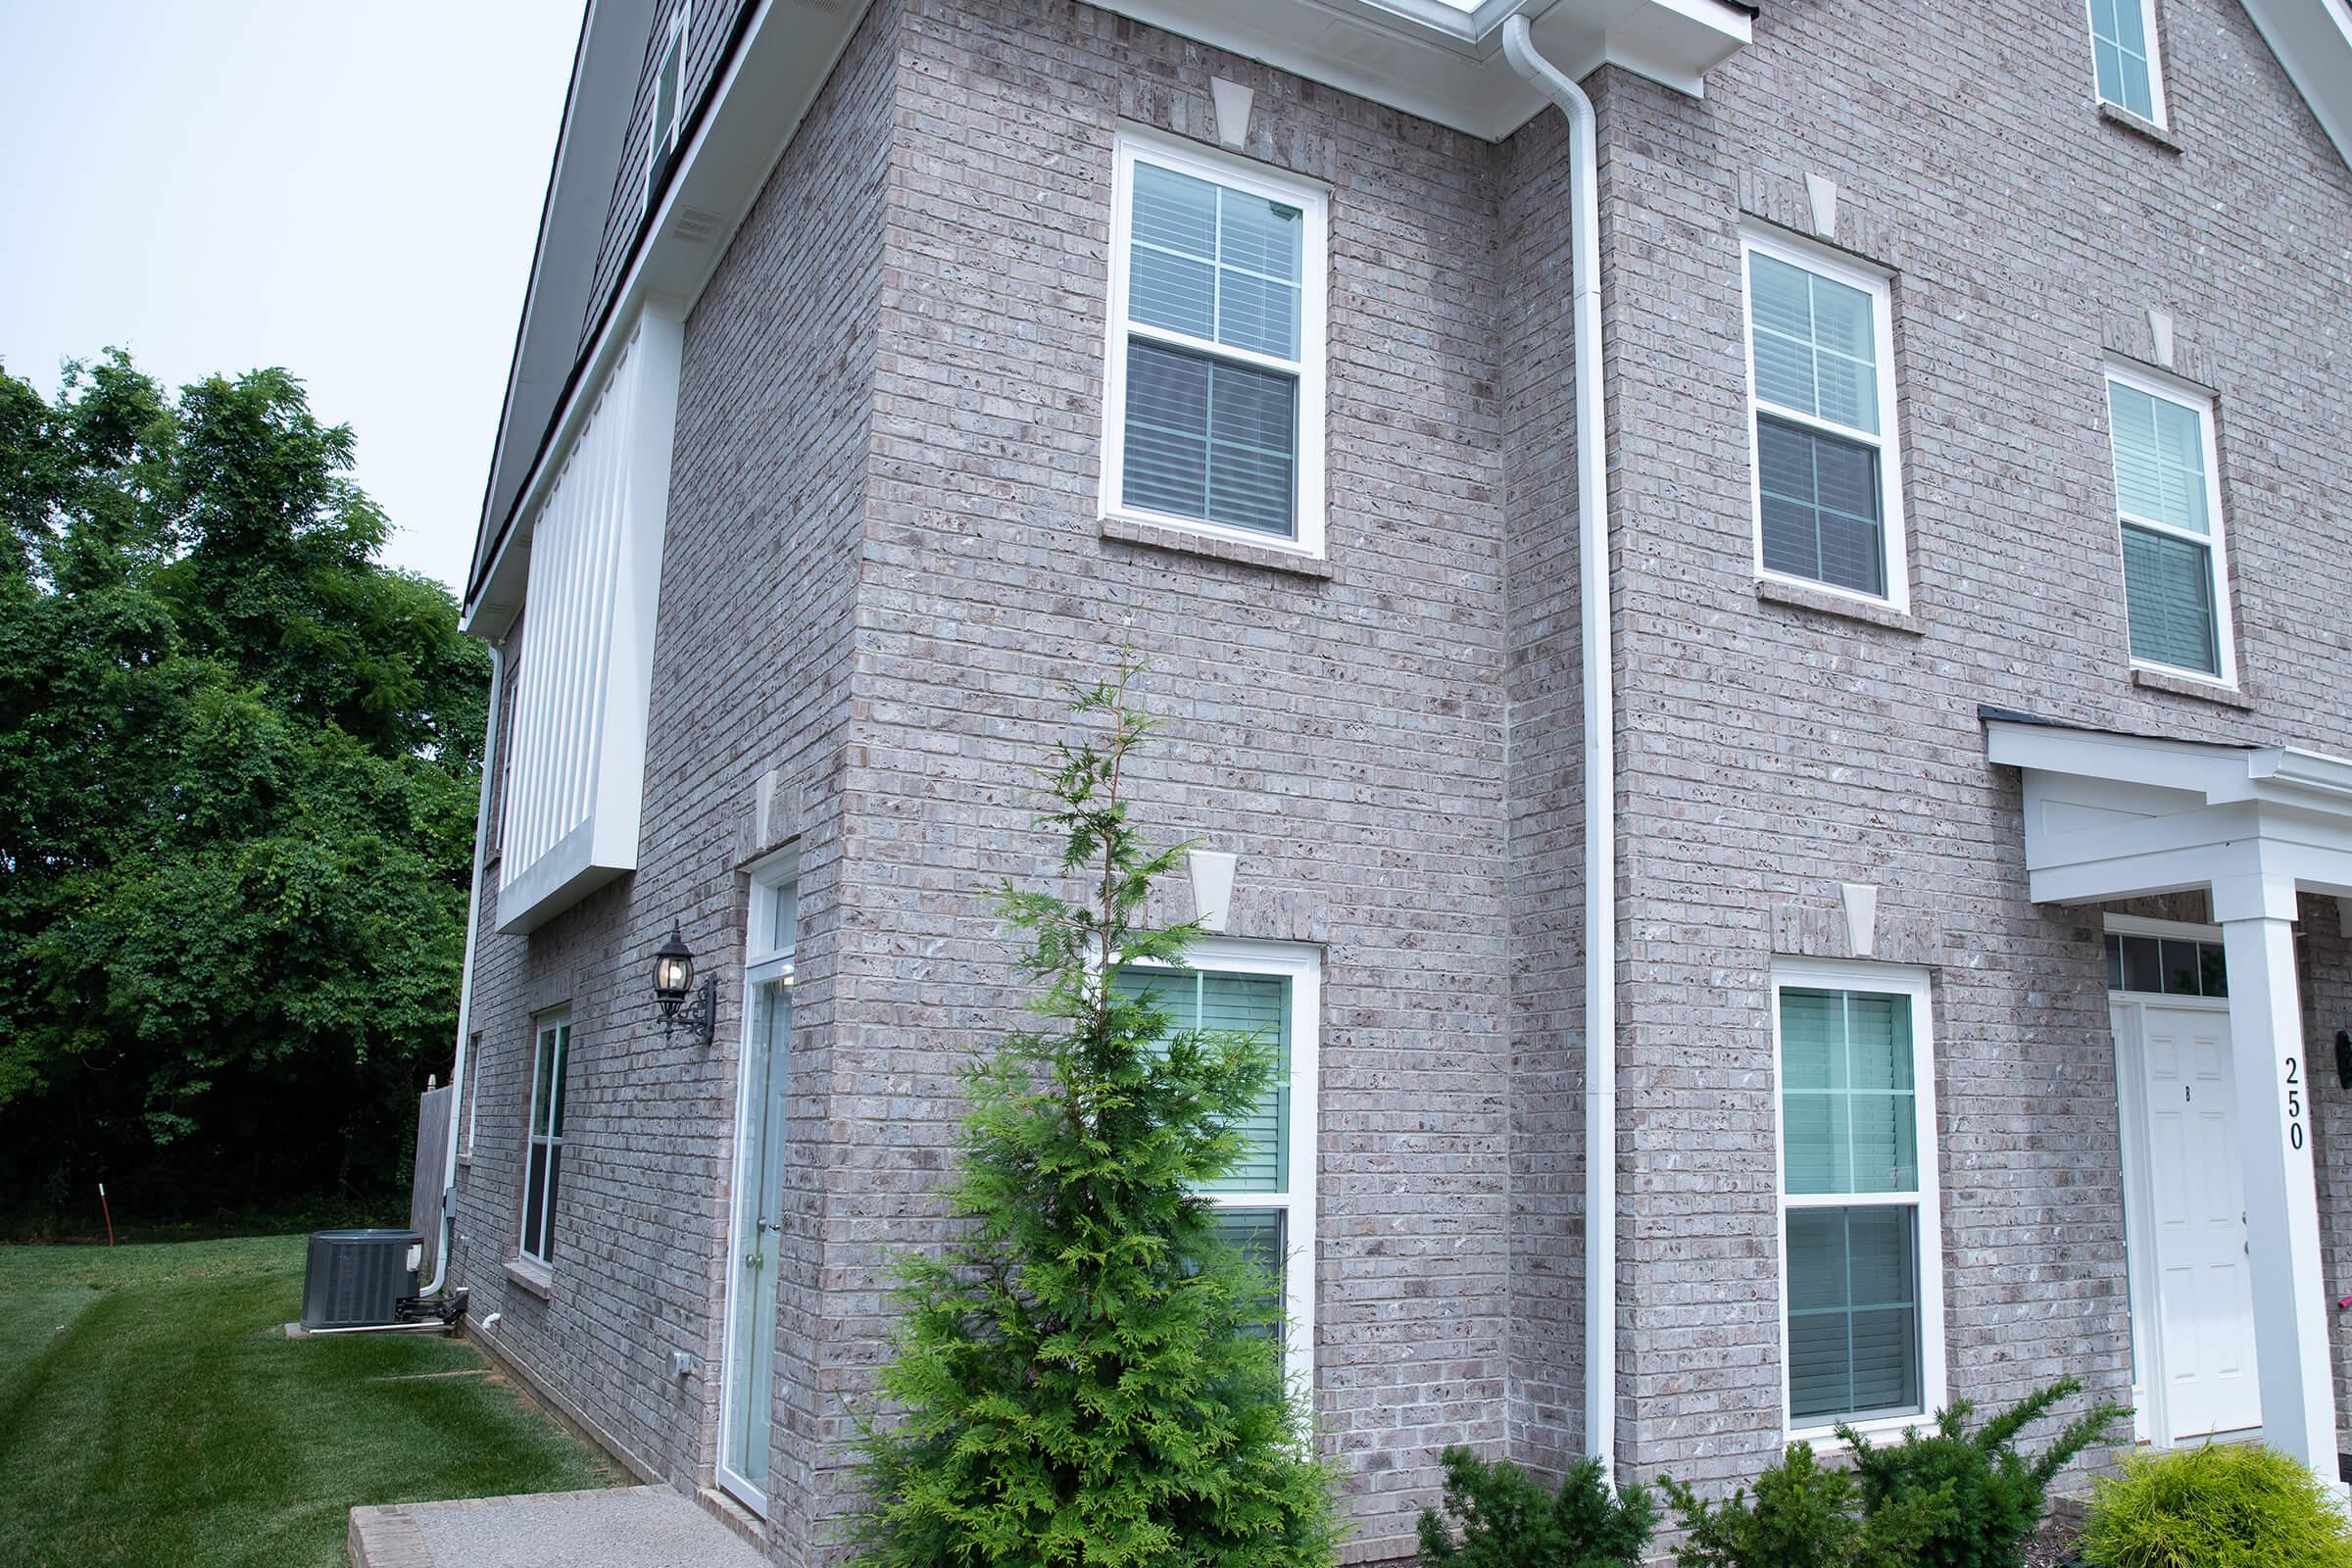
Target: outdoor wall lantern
{"type": "Point", "coordinates": [673, 978]}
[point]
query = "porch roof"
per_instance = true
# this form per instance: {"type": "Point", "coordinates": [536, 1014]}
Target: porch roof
{"type": "Point", "coordinates": [2114, 816]}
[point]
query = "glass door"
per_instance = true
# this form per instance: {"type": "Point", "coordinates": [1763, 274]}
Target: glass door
{"type": "Point", "coordinates": [757, 1233]}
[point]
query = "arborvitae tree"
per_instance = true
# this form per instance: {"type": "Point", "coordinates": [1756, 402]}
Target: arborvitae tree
{"type": "Point", "coordinates": [1089, 1375]}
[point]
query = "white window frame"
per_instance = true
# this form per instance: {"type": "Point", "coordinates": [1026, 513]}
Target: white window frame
{"type": "Point", "coordinates": [2090, 34]}
{"type": "Point", "coordinates": [762, 961]}
{"type": "Point", "coordinates": [656, 134]}
{"type": "Point", "coordinates": [1301, 963]}
{"type": "Point", "coordinates": [2198, 400]}
{"type": "Point", "coordinates": [1756, 239]}
{"type": "Point", "coordinates": [1313, 200]}
{"type": "Point", "coordinates": [542, 1026]}
{"type": "Point", "coordinates": [1877, 979]}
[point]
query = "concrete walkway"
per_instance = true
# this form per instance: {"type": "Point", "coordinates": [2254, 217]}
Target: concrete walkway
{"type": "Point", "coordinates": [625, 1527]}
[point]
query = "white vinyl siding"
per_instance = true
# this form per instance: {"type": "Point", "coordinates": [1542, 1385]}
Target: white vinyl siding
{"type": "Point", "coordinates": [543, 1157]}
{"type": "Point", "coordinates": [576, 763]}
{"type": "Point", "coordinates": [1861, 1239]}
{"type": "Point", "coordinates": [1266, 1204]}
{"type": "Point", "coordinates": [2168, 508]}
{"type": "Point", "coordinates": [1828, 493]}
{"type": "Point", "coordinates": [2124, 58]}
{"type": "Point", "coordinates": [1214, 408]}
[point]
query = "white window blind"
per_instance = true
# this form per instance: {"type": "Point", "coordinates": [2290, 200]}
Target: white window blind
{"type": "Point", "coordinates": [1266, 1204]}
{"type": "Point", "coordinates": [1820, 362]}
{"type": "Point", "coordinates": [1860, 1232]}
{"type": "Point", "coordinates": [2169, 508]}
{"type": "Point", "coordinates": [1213, 417]}
{"type": "Point", "coordinates": [670, 91]}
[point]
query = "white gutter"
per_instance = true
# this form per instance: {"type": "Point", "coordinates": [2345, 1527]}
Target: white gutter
{"type": "Point", "coordinates": [473, 923]}
{"type": "Point", "coordinates": [1600, 763]}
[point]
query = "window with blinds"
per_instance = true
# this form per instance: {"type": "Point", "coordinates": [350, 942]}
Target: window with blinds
{"type": "Point", "coordinates": [1828, 495]}
{"type": "Point", "coordinates": [542, 1157]}
{"type": "Point", "coordinates": [670, 91]}
{"type": "Point", "coordinates": [1857, 1197]}
{"type": "Point", "coordinates": [1266, 1204]}
{"type": "Point", "coordinates": [2169, 507]}
{"type": "Point", "coordinates": [2123, 47]}
{"type": "Point", "coordinates": [1215, 385]}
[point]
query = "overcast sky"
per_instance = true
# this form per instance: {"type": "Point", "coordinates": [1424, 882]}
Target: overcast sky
{"type": "Point", "coordinates": [349, 188]}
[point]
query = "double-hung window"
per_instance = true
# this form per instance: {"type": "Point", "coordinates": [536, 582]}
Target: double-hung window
{"type": "Point", "coordinates": [1820, 377]}
{"type": "Point", "coordinates": [543, 1162]}
{"type": "Point", "coordinates": [670, 91]}
{"type": "Point", "coordinates": [1266, 1204]}
{"type": "Point", "coordinates": [2168, 501]}
{"type": "Point", "coordinates": [2123, 48]}
{"type": "Point", "coordinates": [1862, 1241]}
{"type": "Point", "coordinates": [1213, 395]}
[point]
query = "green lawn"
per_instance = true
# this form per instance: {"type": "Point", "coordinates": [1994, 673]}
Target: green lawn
{"type": "Point", "coordinates": [152, 1411]}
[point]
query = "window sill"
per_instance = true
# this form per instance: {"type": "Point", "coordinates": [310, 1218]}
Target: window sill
{"type": "Point", "coordinates": [530, 1277]}
{"type": "Point", "coordinates": [1828, 1443]}
{"type": "Point", "coordinates": [1796, 595]}
{"type": "Point", "coordinates": [2204, 691]}
{"type": "Point", "coordinates": [2145, 128]}
{"type": "Point", "coordinates": [1183, 541]}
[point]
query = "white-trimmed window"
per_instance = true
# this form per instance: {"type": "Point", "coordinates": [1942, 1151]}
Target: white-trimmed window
{"type": "Point", "coordinates": [1213, 395]}
{"type": "Point", "coordinates": [1861, 1236]}
{"type": "Point", "coordinates": [670, 92]}
{"type": "Point", "coordinates": [2167, 500]}
{"type": "Point", "coordinates": [1827, 469]}
{"type": "Point", "coordinates": [1266, 1204]}
{"type": "Point", "coordinates": [2124, 62]}
{"type": "Point", "coordinates": [543, 1157]}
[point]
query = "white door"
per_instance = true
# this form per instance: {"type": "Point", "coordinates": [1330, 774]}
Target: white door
{"type": "Point", "coordinates": [2195, 1227]}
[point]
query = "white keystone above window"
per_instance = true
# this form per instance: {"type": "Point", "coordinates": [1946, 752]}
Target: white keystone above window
{"type": "Point", "coordinates": [577, 769]}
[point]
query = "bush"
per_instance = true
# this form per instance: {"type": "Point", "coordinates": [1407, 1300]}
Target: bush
{"type": "Point", "coordinates": [2215, 1507]}
{"type": "Point", "coordinates": [1992, 1496]}
{"type": "Point", "coordinates": [1803, 1517]}
{"type": "Point", "coordinates": [1508, 1520]}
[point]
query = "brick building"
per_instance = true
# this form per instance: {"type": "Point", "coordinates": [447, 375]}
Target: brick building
{"type": "Point", "coordinates": [1961, 726]}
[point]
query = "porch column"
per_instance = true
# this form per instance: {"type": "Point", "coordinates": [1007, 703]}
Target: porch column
{"type": "Point", "coordinates": [2283, 1210]}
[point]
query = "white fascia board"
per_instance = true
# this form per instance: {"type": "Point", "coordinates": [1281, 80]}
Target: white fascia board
{"type": "Point", "coordinates": [788, 51]}
{"type": "Point", "coordinates": [2312, 40]}
{"type": "Point", "coordinates": [2216, 772]}
{"type": "Point", "coordinates": [1430, 60]}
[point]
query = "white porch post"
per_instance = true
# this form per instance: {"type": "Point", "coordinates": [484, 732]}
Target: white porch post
{"type": "Point", "coordinates": [2282, 1212]}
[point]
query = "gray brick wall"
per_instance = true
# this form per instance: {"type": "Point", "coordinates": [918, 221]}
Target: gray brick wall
{"type": "Point", "coordinates": [1343, 736]}
{"type": "Point", "coordinates": [884, 559]}
{"type": "Point", "coordinates": [1770, 752]}
{"type": "Point", "coordinates": [750, 723]}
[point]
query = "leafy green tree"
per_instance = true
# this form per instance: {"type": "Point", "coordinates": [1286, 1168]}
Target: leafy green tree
{"type": "Point", "coordinates": [1089, 1375]}
{"type": "Point", "coordinates": [238, 764]}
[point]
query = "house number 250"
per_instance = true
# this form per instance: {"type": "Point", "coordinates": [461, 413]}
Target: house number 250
{"type": "Point", "coordinates": [2294, 1103]}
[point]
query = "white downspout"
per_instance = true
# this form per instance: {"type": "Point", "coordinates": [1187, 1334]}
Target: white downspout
{"type": "Point", "coordinates": [1600, 763]}
{"type": "Point", "coordinates": [473, 917]}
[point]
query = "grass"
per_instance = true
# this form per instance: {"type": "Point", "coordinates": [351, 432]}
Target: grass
{"type": "Point", "coordinates": [152, 1411]}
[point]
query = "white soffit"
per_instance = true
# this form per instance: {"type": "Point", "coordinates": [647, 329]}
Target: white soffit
{"type": "Point", "coordinates": [2312, 40]}
{"type": "Point", "coordinates": [1443, 60]}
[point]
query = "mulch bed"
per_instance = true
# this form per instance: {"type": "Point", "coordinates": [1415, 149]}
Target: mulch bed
{"type": "Point", "coordinates": [2054, 1548]}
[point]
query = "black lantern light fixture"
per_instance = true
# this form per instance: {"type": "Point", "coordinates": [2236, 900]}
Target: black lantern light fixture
{"type": "Point", "coordinates": [673, 978]}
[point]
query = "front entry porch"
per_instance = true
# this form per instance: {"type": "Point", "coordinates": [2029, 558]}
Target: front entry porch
{"type": "Point", "coordinates": [2110, 817]}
